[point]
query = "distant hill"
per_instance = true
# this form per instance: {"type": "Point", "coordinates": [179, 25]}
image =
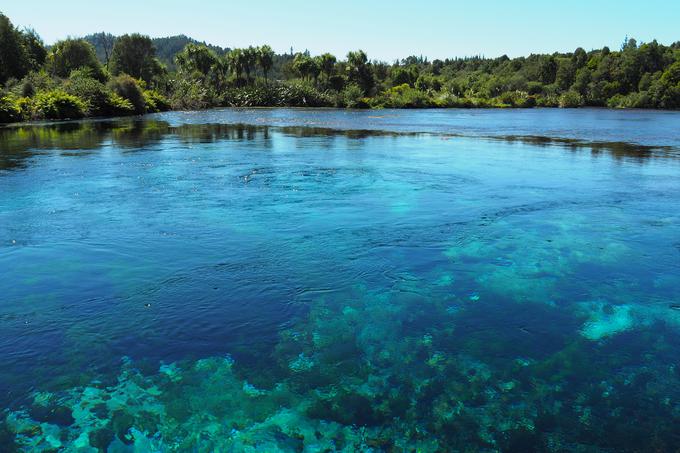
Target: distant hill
{"type": "Point", "coordinates": [166, 48]}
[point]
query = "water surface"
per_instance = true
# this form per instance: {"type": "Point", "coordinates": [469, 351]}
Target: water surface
{"type": "Point", "coordinates": [296, 280]}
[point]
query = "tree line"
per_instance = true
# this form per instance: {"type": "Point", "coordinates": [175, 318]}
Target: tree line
{"type": "Point", "coordinates": [104, 75]}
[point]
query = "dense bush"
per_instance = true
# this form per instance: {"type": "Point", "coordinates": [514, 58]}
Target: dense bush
{"type": "Point", "coordinates": [294, 94]}
{"type": "Point", "coordinates": [99, 100]}
{"type": "Point", "coordinates": [37, 81]}
{"type": "Point", "coordinates": [352, 97]}
{"type": "Point", "coordinates": [155, 102]}
{"type": "Point", "coordinates": [189, 95]}
{"type": "Point", "coordinates": [129, 88]}
{"type": "Point", "coordinates": [57, 105]}
{"type": "Point", "coordinates": [518, 99]}
{"type": "Point", "coordinates": [9, 110]}
{"type": "Point", "coordinates": [403, 96]}
{"type": "Point", "coordinates": [571, 99]}
{"type": "Point", "coordinates": [303, 94]}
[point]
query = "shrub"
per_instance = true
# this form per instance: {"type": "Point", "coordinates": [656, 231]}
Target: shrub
{"type": "Point", "coordinates": [403, 96]}
{"type": "Point", "coordinates": [302, 94]}
{"type": "Point", "coordinates": [519, 99]}
{"type": "Point", "coordinates": [352, 97]}
{"type": "Point", "coordinates": [292, 94]}
{"type": "Point", "coordinates": [128, 88]}
{"type": "Point", "coordinates": [119, 106]}
{"type": "Point", "coordinates": [155, 102]}
{"type": "Point", "coordinates": [631, 101]}
{"type": "Point", "coordinates": [9, 110]}
{"type": "Point", "coordinates": [33, 83]}
{"type": "Point", "coordinates": [449, 100]}
{"type": "Point", "coordinates": [571, 99]}
{"type": "Point", "coordinates": [189, 95]}
{"type": "Point", "coordinates": [57, 105]}
{"type": "Point", "coordinates": [547, 101]}
{"type": "Point", "coordinates": [99, 100]}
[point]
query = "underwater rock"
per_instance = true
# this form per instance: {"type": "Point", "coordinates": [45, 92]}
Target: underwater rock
{"type": "Point", "coordinates": [101, 439]}
{"type": "Point", "coordinates": [122, 422]}
{"type": "Point", "coordinates": [606, 320]}
{"type": "Point", "coordinates": [53, 414]}
{"type": "Point", "coordinates": [7, 439]}
{"type": "Point", "coordinates": [171, 371]}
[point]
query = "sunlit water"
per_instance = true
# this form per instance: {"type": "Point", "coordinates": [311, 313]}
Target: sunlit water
{"type": "Point", "coordinates": [342, 281]}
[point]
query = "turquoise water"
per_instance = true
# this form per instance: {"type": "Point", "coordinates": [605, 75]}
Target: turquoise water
{"type": "Point", "coordinates": [296, 280]}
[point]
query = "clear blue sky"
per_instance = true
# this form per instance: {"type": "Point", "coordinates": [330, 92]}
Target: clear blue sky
{"type": "Point", "coordinates": [385, 29]}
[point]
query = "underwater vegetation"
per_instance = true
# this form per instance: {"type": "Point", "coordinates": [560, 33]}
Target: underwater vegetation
{"type": "Point", "coordinates": [298, 289]}
{"type": "Point", "coordinates": [361, 376]}
{"type": "Point", "coordinates": [425, 364]}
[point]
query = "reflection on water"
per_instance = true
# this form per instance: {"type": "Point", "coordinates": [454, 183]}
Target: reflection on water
{"type": "Point", "coordinates": [20, 143]}
{"type": "Point", "coordinates": [172, 285]}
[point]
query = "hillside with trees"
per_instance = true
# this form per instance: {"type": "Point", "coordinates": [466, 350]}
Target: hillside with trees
{"type": "Point", "coordinates": [105, 75]}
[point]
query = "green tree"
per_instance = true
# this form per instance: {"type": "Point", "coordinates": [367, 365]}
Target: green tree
{"type": "Point", "coordinates": [359, 71]}
{"type": "Point", "coordinates": [566, 74]}
{"type": "Point", "coordinates": [236, 60]}
{"type": "Point", "coordinates": [14, 60]}
{"type": "Point", "coordinates": [327, 63]}
{"type": "Point", "coordinates": [249, 62]}
{"type": "Point", "coordinates": [71, 54]}
{"type": "Point", "coordinates": [135, 55]}
{"type": "Point", "coordinates": [306, 66]}
{"type": "Point", "coordinates": [196, 57]}
{"type": "Point", "coordinates": [547, 71]}
{"type": "Point", "coordinates": [265, 58]}
{"type": "Point", "coordinates": [580, 58]}
{"type": "Point", "coordinates": [103, 44]}
{"type": "Point", "coordinates": [35, 49]}
{"type": "Point", "coordinates": [219, 74]}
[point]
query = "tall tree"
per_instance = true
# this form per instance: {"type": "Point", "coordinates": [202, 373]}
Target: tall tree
{"type": "Point", "coordinates": [359, 71]}
{"type": "Point", "coordinates": [135, 55]}
{"type": "Point", "coordinates": [249, 61]}
{"type": "Point", "coordinates": [306, 66]}
{"type": "Point", "coordinates": [103, 43]}
{"type": "Point", "coordinates": [265, 58]}
{"type": "Point", "coordinates": [236, 63]}
{"type": "Point", "coordinates": [14, 61]}
{"type": "Point", "coordinates": [327, 64]}
{"type": "Point", "coordinates": [196, 57]}
{"type": "Point", "coordinates": [71, 54]}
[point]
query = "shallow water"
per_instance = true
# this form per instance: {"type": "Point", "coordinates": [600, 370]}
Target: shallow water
{"type": "Point", "coordinates": [296, 280]}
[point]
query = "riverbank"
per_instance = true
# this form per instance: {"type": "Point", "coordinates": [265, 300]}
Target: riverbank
{"type": "Point", "coordinates": [61, 105]}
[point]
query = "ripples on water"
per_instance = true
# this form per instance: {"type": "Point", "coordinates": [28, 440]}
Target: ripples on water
{"type": "Point", "coordinates": [375, 281]}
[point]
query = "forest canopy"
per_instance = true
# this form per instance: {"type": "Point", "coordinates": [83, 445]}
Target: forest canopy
{"type": "Point", "coordinates": [106, 75]}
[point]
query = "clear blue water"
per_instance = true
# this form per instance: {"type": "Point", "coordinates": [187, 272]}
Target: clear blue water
{"type": "Point", "coordinates": [324, 280]}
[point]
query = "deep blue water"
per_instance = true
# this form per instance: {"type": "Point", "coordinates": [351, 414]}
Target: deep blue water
{"type": "Point", "coordinates": [325, 280]}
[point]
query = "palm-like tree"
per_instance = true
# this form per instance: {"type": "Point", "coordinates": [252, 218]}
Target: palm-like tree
{"type": "Point", "coordinates": [219, 73]}
{"type": "Point", "coordinates": [265, 58]}
{"type": "Point", "coordinates": [306, 66]}
{"type": "Point", "coordinates": [327, 64]}
{"type": "Point", "coordinates": [249, 61]}
{"type": "Point", "coordinates": [359, 70]}
{"type": "Point", "coordinates": [236, 62]}
{"type": "Point", "coordinates": [196, 57]}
